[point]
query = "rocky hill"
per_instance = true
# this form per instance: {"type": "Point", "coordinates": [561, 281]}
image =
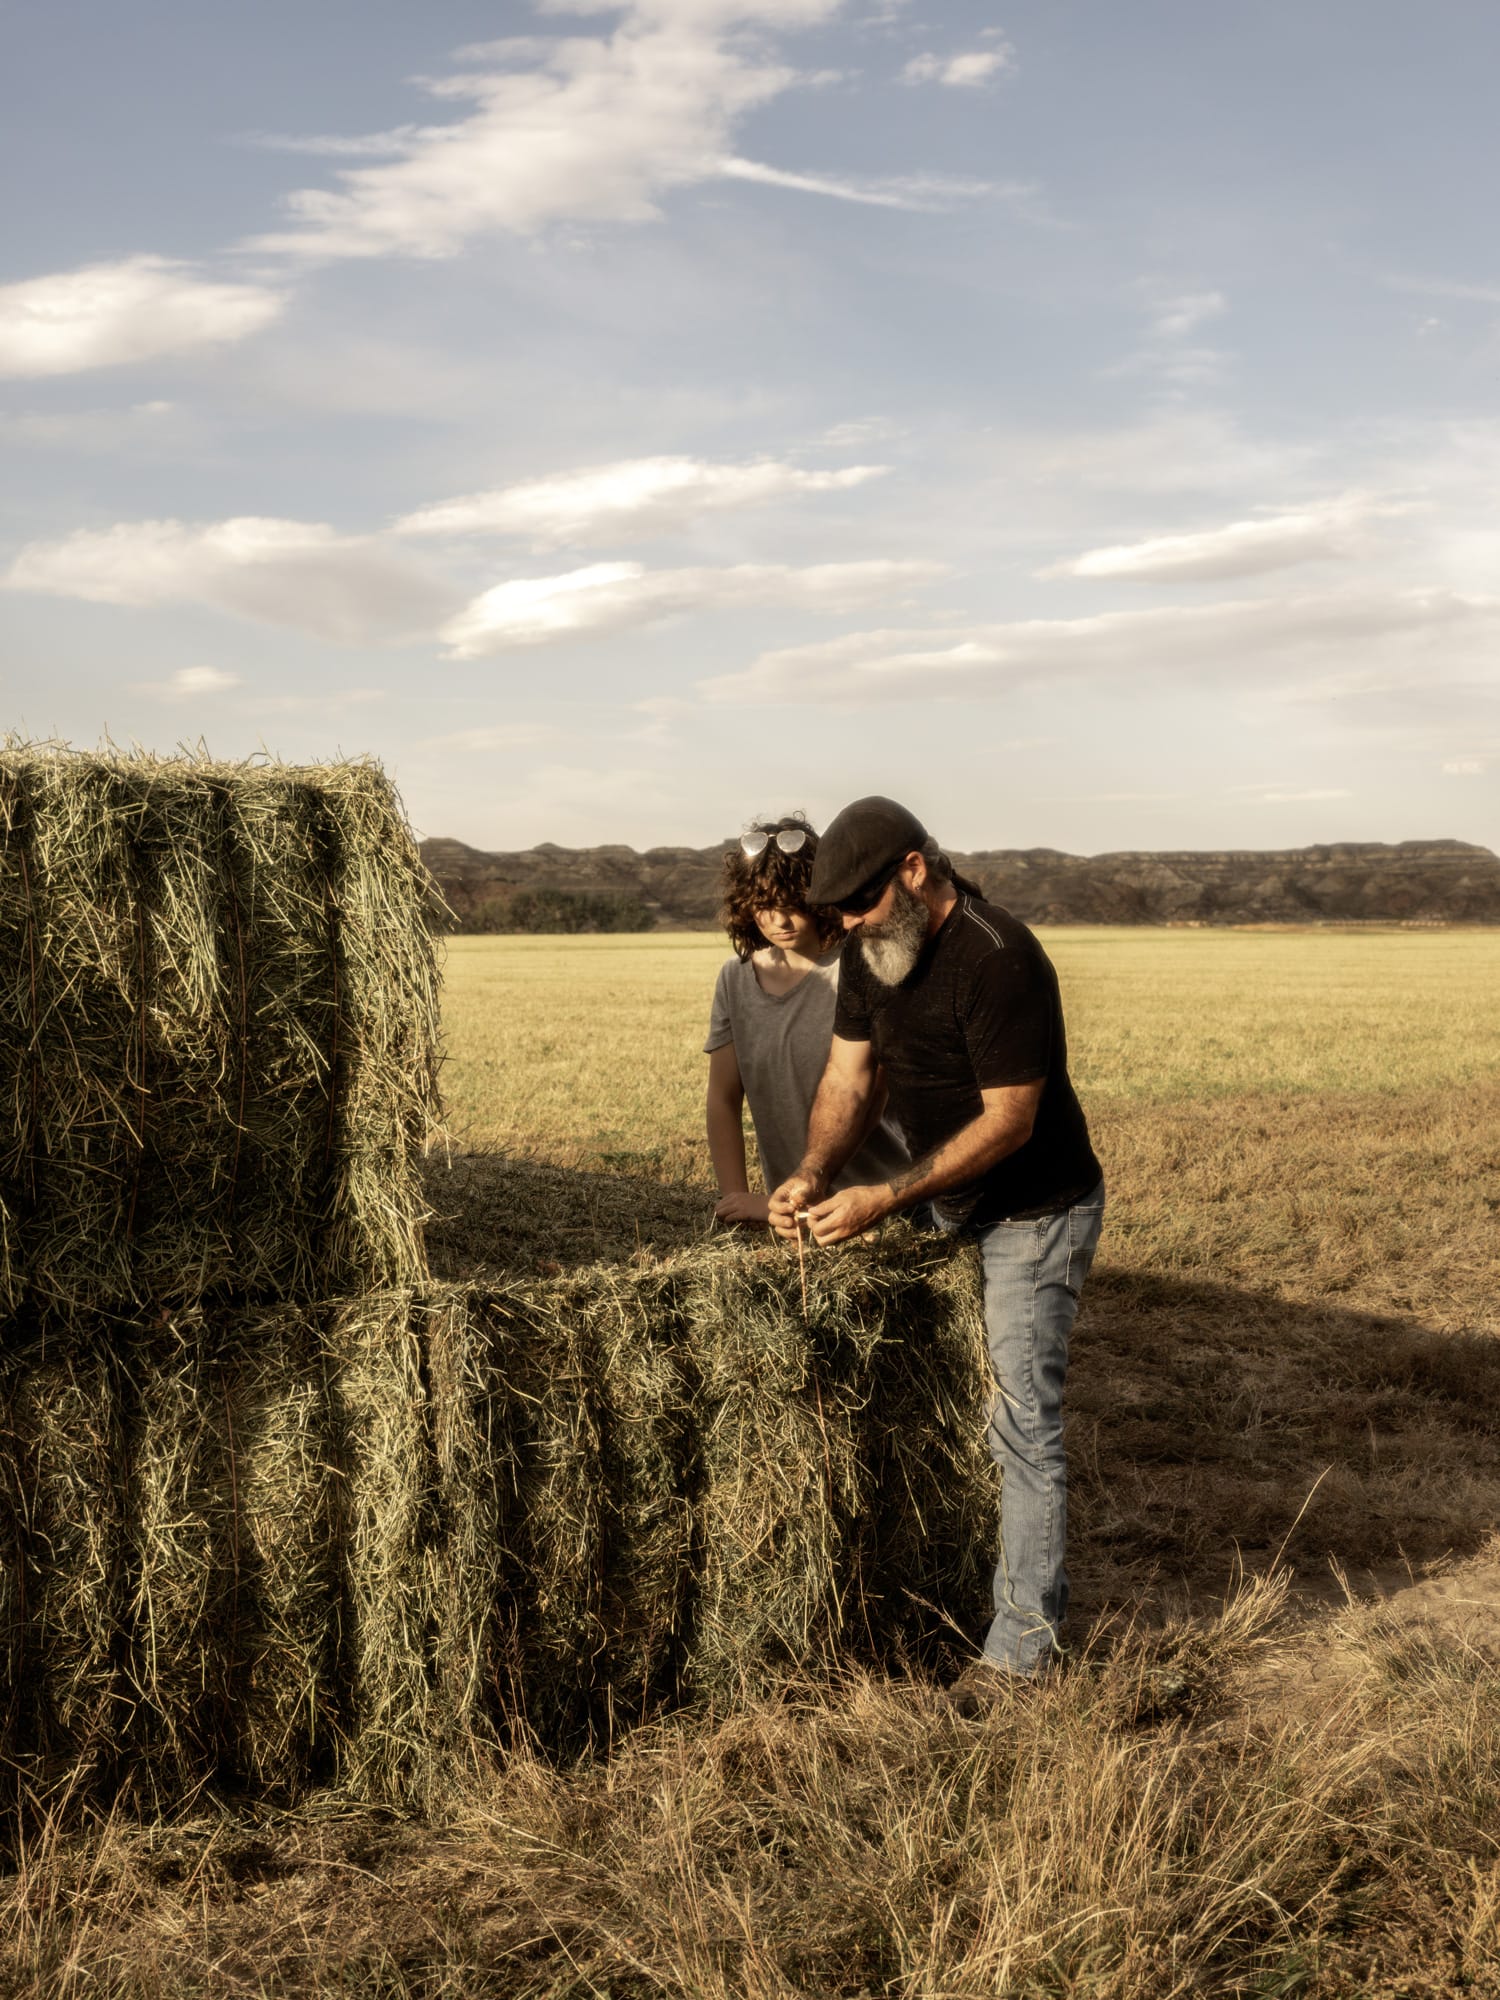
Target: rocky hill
{"type": "Point", "coordinates": [1414, 881]}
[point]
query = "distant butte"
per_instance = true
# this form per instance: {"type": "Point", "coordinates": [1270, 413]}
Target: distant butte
{"type": "Point", "coordinates": [1410, 882]}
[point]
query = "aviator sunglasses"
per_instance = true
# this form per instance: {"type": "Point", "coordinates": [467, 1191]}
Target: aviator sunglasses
{"type": "Point", "coordinates": [754, 845]}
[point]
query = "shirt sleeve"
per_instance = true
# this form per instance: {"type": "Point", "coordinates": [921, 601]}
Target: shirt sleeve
{"type": "Point", "coordinates": [1008, 1023]}
{"type": "Point", "coordinates": [720, 1027]}
{"type": "Point", "coordinates": [851, 1017]}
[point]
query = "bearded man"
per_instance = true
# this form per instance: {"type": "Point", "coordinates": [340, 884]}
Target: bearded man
{"type": "Point", "coordinates": [953, 1005]}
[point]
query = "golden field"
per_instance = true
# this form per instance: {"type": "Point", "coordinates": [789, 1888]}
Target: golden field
{"type": "Point", "coordinates": [1272, 1769]}
{"type": "Point", "coordinates": [585, 1050]}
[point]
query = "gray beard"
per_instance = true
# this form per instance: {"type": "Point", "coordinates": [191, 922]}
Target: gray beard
{"type": "Point", "coordinates": [891, 949]}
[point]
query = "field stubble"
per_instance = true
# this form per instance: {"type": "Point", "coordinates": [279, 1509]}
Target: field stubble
{"type": "Point", "coordinates": [1273, 1769]}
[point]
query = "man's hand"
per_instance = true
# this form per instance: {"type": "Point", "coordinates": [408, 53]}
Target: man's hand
{"type": "Point", "coordinates": [793, 1194]}
{"type": "Point", "coordinates": [741, 1207]}
{"type": "Point", "coordinates": [848, 1213]}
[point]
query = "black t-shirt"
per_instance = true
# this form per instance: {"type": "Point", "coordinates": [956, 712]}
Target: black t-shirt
{"type": "Point", "coordinates": [979, 1009]}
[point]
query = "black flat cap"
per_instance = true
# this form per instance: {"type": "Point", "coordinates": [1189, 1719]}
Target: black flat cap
{"type": "Point", "coordinates": [861, 840]}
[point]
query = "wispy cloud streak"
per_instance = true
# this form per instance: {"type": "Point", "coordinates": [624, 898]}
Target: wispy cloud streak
{"type": "Point", "coordinates": [614, 597]}
{"type": "Point", "coordinates": [638, 497]}
{"type": "Point", "coordinates": [108, 315]}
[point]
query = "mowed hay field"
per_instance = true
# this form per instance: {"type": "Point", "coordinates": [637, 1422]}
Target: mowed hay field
{"type": "Point", "coordinates": [1273, 1767]}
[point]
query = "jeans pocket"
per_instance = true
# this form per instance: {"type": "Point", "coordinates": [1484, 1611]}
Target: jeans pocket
{"type": "Point", "coordinates": [1085, 1225]}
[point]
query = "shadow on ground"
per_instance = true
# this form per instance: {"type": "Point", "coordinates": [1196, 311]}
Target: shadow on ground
{"type": "Point", "coordinates": [1215, 1431]}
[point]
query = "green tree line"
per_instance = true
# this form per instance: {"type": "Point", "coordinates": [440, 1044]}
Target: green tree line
{"type": "Point", "coordinates": [555, 911]}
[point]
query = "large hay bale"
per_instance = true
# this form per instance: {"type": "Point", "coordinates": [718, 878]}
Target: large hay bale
{"type": "Point", "coordinates": [848, 1501]}
{"type": "Point", "coordinates": [372, 1541]}
{"type": "Point", "coordinates": [218, 1023]}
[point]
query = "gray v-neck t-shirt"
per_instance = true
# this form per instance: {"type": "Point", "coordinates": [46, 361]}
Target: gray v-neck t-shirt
{"type": "Point", "coordinates": [781, 1043]}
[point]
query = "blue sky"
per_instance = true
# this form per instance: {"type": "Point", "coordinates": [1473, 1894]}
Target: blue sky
{"type": "Point", "coordinates": [1078, 420]}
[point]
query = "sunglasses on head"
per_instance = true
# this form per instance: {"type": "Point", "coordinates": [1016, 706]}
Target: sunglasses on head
{"type": "Point", "coordinates": [868, 894]}
{"type": "Point", "coordinates": [790, 838]}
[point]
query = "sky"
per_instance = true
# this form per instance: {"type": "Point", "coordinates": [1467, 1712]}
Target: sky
{"type": "Point", "coordinates": [1079, 421]}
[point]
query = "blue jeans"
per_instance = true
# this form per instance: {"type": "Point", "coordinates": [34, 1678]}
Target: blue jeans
{"type": "Point", "coordinates": [1033, 1274]}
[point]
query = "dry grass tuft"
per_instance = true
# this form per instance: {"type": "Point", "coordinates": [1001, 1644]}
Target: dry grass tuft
{"type": "Point", "coordinates": [859, 1840]}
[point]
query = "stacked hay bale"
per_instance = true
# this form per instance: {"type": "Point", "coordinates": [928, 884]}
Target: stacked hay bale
{"type": "Point", "coordinates": [367, 1542]}
{"type": "Point", "coordinates": [276, 1508]}
{"type": "Point", "coordinates": [218, 1019]}
{"type": "Point", "coordinates": [218, 1069]}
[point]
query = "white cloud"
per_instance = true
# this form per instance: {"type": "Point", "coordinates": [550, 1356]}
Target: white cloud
{"type": "Point", "coordinates": [967, 71]}
{"type": "Point", "coordinates": [196, 683]}
{"type": "Point", "coordinates": [923, 194]}
{"type": "Point", "coordinates": [1175, 318]}
{"type": "Point", "coordinates": [639, 495]}
{"type": "Point", "coordinates": [359, 146]}
{"type": "Point", "coordinates": [860, 432]}
{"type": "Point", "coordinates": [1242, 548]}
{"type": "Point", "coordinates": [188, 682]}
{"type": "Point", "coordinates": [1437, 637]}
{"type": "Point", "coordinates": [612, 597]}
{"type": "Point", "coordinates": [1170, 353]}
{"type": "Point", "coordinates": [300, 574]}
{"type": "Point", "coordinates": [1465, 767]}
{"type": "Point", "coordinates": [589, 129]}
{"type": "Point", "coordinates": [581, 128]}
{"type": "Point", "coordinates": [106, 315]}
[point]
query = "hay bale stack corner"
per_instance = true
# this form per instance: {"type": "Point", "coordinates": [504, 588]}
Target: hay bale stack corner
{"type": "Point", "coordinates": [283, 1510]}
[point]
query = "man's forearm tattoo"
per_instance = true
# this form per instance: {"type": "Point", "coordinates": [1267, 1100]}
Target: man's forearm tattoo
{"type": "Point", "coordinates": [912, 1176]}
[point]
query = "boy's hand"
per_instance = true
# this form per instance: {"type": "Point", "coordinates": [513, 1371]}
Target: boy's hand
{"type": "Point", "coordinates": [741, 1207]}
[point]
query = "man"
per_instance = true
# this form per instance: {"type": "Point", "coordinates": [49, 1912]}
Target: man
{"type": "Point", "coordinates": [955, 1005]}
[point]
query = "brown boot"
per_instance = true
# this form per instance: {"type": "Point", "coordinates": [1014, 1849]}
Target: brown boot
{"type": "Point", "coordinates": [983, 1687]}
